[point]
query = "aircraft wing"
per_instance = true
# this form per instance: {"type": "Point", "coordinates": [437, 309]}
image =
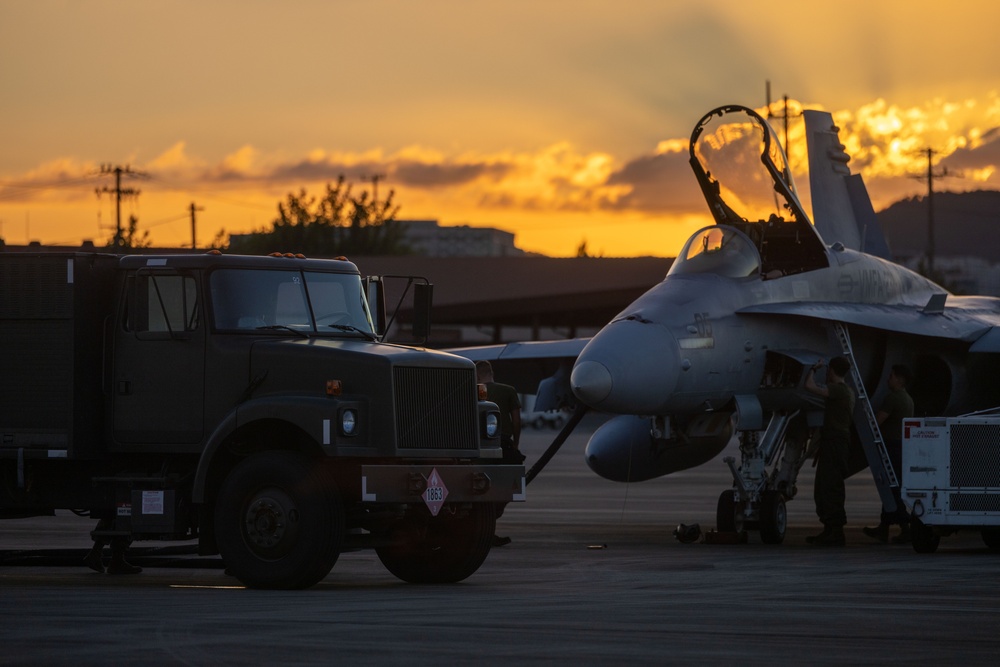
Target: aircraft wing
{"type": "Point", "coordinates": [569, 348]}
{"type": "Point", "coordinates": [950, 323]}
{"type": "Point", "coordinates": [534, 367]}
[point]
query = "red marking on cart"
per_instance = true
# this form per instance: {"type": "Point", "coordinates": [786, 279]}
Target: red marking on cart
{"type": "Point", "coordinates": [435, 493]}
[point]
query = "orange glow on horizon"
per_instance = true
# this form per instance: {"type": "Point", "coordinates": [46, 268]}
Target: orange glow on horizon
{"type": "Point", "coordinates": [553, 199]}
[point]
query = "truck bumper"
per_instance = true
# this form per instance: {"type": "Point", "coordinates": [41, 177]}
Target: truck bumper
{"type": "Point", "coordinates": [435, 484]}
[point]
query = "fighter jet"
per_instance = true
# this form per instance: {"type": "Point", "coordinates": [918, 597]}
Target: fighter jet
{"type": "Point", "coordinates": [722, 345]}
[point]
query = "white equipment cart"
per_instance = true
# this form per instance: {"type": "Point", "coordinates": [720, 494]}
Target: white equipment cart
{"type": "Point", "coordinates": [951, 477]}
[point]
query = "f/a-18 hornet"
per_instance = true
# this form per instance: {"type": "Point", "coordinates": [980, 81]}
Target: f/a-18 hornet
{"type": "Point", "coordinates": [723, 344]}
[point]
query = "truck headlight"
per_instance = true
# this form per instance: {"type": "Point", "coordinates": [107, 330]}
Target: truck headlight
{"type": "Point", "coordinates": [492, 424]}
{"type": "Point", "coordinates": [348, 422]}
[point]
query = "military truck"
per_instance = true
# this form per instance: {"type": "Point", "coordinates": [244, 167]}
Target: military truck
{"type": "Point", "coordinates": [249, 403]}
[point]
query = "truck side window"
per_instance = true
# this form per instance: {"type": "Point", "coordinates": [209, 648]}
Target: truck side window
{"type": "Point", "coordinates": [165, 303]}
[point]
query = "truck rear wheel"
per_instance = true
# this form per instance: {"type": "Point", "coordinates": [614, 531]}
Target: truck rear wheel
{"type": "Point", "coordinates": [279, 522]}
{"type": "Point", "coordinates": [442, 549]}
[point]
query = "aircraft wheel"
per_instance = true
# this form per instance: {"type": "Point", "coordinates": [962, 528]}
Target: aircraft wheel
{"type": "Point", "coordinates": [773, 518]}
{"type": "Point", "coordinates": [991, 538]}
{"type": "Point", "coordinates": [727, 519]}
{"type": "Point", "coordinates": [279, 522]}
{"type": "Point", "coordinates": [925, 540]}
{"type": "Point", "coordinates": [440, 550]}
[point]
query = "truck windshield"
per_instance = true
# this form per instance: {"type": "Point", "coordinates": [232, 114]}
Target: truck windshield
{"type": "Point", "coordinates": [312, 302]}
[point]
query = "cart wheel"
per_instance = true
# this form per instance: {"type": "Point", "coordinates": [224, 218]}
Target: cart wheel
{"type": "Point", "coordinates": [991, 538]}
{"type": "Point", "coordinates": [925, 540]}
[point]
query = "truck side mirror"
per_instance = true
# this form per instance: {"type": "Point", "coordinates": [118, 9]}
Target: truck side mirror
{"type": "Point", "coordinates": [375, 293]}
{"type": "Point", "coordinates": [423, 294]}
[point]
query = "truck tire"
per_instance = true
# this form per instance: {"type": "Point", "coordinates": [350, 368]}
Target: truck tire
{"type": "Point", "coordinates": [442, 549]}
{"type": "Point", "coordinates": [279, 522]}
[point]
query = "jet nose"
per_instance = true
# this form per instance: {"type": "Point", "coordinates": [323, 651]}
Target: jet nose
{"type": "Point", "coordinates": [591, 381]}
{"type": "Point", "coordinates": [630, 367]}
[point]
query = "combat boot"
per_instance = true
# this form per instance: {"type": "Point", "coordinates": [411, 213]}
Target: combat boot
{"type": "Point", "coordinates": [815, 539]}
{"type": "Point", "coordinates": [95, 558]}
{"type": "Point", "coordinates": [879, 532]}
{"type": "Point", "coordinates": [832, 537]}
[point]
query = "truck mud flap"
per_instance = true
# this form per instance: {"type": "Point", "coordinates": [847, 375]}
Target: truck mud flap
{"type": "Point", "coordinates": [438, 484]}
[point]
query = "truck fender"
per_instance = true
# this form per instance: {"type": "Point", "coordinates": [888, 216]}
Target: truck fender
{"type": "Point", "coordinates": [311, 415]}
{"type": "Point", "coordinates": [219, 435]}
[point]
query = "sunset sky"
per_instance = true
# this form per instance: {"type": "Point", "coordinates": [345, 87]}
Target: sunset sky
{"type": "Point", "coordinates": [562, 122]}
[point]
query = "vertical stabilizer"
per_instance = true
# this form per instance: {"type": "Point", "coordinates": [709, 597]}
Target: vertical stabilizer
{"type": "Point", "coordinates": [842, 210]}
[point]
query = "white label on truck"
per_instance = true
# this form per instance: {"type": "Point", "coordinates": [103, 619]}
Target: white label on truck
{"type": "Point", "coordinates": [152, 502]}
{"type": "Point", "coordinates": [326, 431]}
{"type": "Point", "coordinates": [69, 271]}
{"type": "Point", "coordinates": [156, 262]}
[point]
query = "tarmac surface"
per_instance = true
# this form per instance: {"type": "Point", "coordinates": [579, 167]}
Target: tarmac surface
{"type": "Point", "coordinates": [593, 576]}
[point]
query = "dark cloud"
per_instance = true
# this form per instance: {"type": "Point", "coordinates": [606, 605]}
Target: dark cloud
{"type": "Point", "coordinates": [986, 154]}
{"type": "Point", "coordinates": [661, 183]}
{"type": "Point", "coordinates": [309, 171]}
{"type": "Point", "coordinates": [422, 175]}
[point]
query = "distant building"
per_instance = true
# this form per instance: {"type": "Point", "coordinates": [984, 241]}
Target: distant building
{"type": "Point", "coordinates": [428, 238]}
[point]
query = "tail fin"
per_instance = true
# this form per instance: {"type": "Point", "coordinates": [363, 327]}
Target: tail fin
{"type": "Point", "coordinates": [842, 209]}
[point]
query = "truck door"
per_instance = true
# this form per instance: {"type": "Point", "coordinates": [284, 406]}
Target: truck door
{"type": "Point", "coordinates": [159, 360]}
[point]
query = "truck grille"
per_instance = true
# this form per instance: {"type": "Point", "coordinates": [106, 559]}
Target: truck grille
{"type": "Point", "coordinates": [436, 408]}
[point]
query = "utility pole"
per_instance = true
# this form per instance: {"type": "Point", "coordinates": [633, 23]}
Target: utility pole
{"type": "Point", "coordinates": [784, 116]}
{"type": "Point", "coordinates": [119, 192]}
{"type": "Point", "coordinates": [194, 227]}
{"type": "Point", "coordinates": [930, 206]}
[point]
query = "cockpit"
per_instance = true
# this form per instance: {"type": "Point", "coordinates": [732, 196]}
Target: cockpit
{"type": "Point", "coordinates": [723, 251]}
{"type": "Point", "coordinates": [744, 176]}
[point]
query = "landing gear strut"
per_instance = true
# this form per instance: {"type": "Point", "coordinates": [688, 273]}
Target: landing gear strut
{"type": "Point", "coordinates": [757, 499]}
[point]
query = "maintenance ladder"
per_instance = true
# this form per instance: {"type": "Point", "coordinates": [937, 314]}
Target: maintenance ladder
{"type": "Point", "coordinates": [867, 427]}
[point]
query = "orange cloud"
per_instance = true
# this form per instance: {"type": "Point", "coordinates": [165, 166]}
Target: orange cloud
{"type": "Point", "coordinates": [528, 191]}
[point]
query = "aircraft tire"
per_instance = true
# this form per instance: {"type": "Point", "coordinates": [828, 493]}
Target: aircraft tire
{"type": "Point", "coordinates": [726, 520]}
{"type": "Point", "coordinates": [773, 518]}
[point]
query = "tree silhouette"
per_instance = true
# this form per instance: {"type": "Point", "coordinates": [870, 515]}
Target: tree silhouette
{"type": "Point", "coordinates": [130, 237]}
{"type": "Point", "coordinates": [338, 223]}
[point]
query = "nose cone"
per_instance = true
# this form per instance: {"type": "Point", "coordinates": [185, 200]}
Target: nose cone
{"type": "Point", "coordinates": [591, 381]}
{"type": "Point", "coordinates": [630, 367]}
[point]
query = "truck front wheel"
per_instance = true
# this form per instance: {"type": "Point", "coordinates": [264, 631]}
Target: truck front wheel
{"type": "Point", "coordinates": [442, 549]}
{"type": "Point", "coordinates": [279, 522]}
